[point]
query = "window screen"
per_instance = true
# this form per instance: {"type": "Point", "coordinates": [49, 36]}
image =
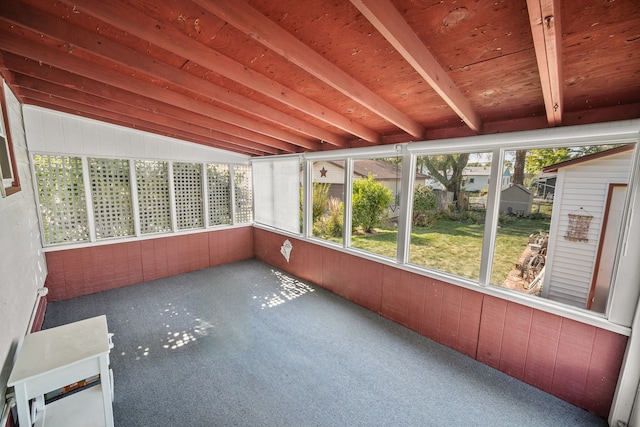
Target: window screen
{"type": "Point", "coordinates": [277, 198]}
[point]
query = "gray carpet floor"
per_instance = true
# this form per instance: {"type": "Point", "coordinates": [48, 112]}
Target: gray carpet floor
{"type": "Point", "coordinates": [246, 345]}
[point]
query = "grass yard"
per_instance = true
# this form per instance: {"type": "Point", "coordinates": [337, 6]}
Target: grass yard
{"type": "Point", "coordinates": [455, 247]}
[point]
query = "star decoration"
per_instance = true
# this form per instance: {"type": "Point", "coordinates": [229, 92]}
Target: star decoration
{"type": "Point", "coordinates": [323, 172]}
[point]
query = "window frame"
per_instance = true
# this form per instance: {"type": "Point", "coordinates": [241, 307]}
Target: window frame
{"type": "Point", "coordinates": [5, 131]}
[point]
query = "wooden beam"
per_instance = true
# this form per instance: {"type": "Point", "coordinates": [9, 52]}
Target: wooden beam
{"type": "Point", "coordinates": [59, 56]}
{"type": "Point", "coordinates": [544, 18]}
{"type": "Point", "coordinates": [388, 21]}
{"type": "Point", "coordinates": [129, 103]}
{"type": "Point", "coordinates": [147, 28]}
{"type": "Point", "coordinates": [92, 42]}
{"type": "Point", "coordinates": [262, 29]}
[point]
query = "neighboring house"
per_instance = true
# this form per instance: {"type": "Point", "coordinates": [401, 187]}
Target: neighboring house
{"type": "Point", "coordinates": [546, 186]}
{"type": "Point", "coordinates": [589, 199]}
{"type": "Point", "coordinates": [388, 174]}
{"type": "Point", "coordinates": [476, 178]}
{"type": "Point", "coordinates": [516, 200]}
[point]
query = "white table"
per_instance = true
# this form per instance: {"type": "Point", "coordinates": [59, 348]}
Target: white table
{"type": "Point", "coordinates": [56, 357]}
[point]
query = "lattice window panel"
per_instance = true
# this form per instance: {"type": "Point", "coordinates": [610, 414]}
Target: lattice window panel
{"type": "Point", "coordinates": [187, 182]}
{"type": "Point", "coordinates": [61, 197]}
{"type": "Point", "coordinates": [154, 199]}
{"type": "Point", "coordinates": [111, 193]}
{"type": "Point", "coordinates": [243, 193]}
{"type": "Point", "coordinates": [219, 194]}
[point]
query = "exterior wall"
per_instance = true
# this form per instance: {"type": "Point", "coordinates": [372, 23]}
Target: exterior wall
{"type": "Point", "coordinates": [585, 185]}
{"type": "Point", "coordinates": [83, 271]}
{"type": "Point", "coordinates": [576, 362]}
{"type": "Point", "coordinates": [22, 263]}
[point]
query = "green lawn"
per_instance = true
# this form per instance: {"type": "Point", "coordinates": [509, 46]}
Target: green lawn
{"type": "Point", "coordinates": [455, 247]}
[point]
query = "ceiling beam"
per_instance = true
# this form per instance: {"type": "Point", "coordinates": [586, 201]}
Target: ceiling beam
{"type": "Point", "coordinates": [262, 29]}
{"type": "Point", "coordinates": [393, 27]}
{"type": "Point", "coordinates": [544, 18]}
{"type": "Point", "coordinates": [61, 58]}
{"type": "Point", "coordinates": [115, 110]}
{"type": "Point", "coordinates": [131, 102]}
{"type": "Point", "coordinates": [147, 28]}
{"type": "Point", "coordinates": [92, 42]}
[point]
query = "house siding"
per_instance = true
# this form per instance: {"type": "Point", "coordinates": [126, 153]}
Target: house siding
{"type": "Point", "coordinates": [581, 189]}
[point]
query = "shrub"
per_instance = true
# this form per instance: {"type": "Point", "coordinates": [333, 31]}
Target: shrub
{"type": "Point", "coordinates": [424, 200]}
{"type": "Point", "coordinates": [370, 200]}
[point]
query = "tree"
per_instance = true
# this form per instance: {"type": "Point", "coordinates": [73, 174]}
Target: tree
{"type": "Point", "coordinates": [447, 170]}
{"type": "Point", "coordinates": [370, 200]}
{"type": "Point", "coordinates": [519, 167]}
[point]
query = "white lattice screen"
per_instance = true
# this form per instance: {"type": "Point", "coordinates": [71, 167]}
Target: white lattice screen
{"type": "Point", "coordinates": [111, 194]}
{"type": "Point", "coordinates": [243, 193]}
{"type": "Point", "coordinates": [61, 197]}
{"type": "Point", "coordinates": [219, 194]}
{"type": "Point", "coordinates": [154, 198]}
{"type": "Point", "coordinates": [187, 182]}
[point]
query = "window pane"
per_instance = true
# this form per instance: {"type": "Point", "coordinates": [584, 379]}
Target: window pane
{"type": "Point", "coordinates": [61, 198]}
{"type": "Point", "coordinates": [449, 206]}
{"type": "Point", "coordinates": [277, 195]}
{"type": "Point", "coordinates": [243, 193]}
{"type": "Point", "coordinates": [187, 182]}
{"type": "Point", "coordinates": [560, 223]}
{"type": "Point", "coordinates": [328, 200]}
{"type": "Point", "coordinates": [153, 196]}
{"type": "Point", "coordinates": [111, 193]}
{"type": "Point", "coordinates": [219, 194]}
{"type": "Point", "coordinates": [375, 205]}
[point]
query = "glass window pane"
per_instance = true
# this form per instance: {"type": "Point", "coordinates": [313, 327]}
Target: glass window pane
{"type": "Point", "coordinates": [328, 200]}
{"type": "Point", "coordinates": [560, 221]}
{"type": "Point", "coordinates": [187, 182]}
{"type": "Point", "coordinates": [111, 194]}
{"type": "Point", "coordinates": [219, 194]}
{"type": "Point", "coordinates": [153, 196]}
{"type": "Point", "coordinates": [375, 205]}
{"type": "Point", "coordinates": [61, 198]}
{"type": "Point", "coordinates": [243, 193]}
{"type": "Point", "coordinates": [449, 207]}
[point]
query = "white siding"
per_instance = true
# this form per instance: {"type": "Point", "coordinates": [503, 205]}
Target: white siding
{"type": "Point", "coordinates": [22, 264]}
{"type": "Point", "coordinates": [59, 133]}
{"type": "Point", "coordinates": [582, 189]}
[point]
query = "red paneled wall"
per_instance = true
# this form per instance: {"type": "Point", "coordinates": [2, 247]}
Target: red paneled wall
{"type": "Point", "coordinates": [576, 362]}
{"type": "Point", "coordinates": [83, 271]}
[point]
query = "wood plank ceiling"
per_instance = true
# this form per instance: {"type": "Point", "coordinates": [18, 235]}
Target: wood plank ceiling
{"type": "Point", "coordinates": [265, 77]}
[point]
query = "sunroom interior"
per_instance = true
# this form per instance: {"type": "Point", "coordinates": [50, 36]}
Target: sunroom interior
{"type": "Point", "coordinates": [143, 140]}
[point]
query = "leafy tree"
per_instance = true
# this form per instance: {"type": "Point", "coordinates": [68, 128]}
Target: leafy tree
{"type": "Point", "coordinates": [447, 169]}
{"type": "Point", "coordinates": [370, 200]}
{"type": "Point", "coordinates": [540, 158]}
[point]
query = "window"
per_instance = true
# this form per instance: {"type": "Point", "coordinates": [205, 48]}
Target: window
{"type": "Point", "coordinates": [243, 194]}
{"type": "Point", "coordinates": [219, 194]}
{"type": "Point", "coordinates": [111, 196]}
{"type": "Point", "coordinates": [375, 205]}
{"type": "Point", "coordinates": [187, 182]}
{"type": "Point", "coordinates": [277, 193]}
{"type": "Point", "coordinates": [154, 198]}
{"type": "Point", "coordinates": [560, 221]}
{"type": "Point", "coordinates": [328, 200]}
{"type": "Point", "coordinates": [448, 217]}
{"type": "Point", "coordinates": [8, 168]}
{"type": "Point", "coordinates": [61, 197]}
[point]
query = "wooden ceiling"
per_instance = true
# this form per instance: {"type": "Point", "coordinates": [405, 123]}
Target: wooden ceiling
{"type": "Point", "coordinates": [265, 77]}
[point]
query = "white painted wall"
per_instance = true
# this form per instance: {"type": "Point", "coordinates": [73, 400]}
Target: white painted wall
{"type": "Point", "coordinates": [22, 264]}
{"type": "Point", "coordinates": [584, 185]}
{"type": "Point", "coordinates": [59, 133]}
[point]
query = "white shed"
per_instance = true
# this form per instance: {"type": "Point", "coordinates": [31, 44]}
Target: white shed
{"type": "Point", "coordinates": [589, 199]}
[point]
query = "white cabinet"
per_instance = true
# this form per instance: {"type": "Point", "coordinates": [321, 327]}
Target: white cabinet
{"type": "Point", "coordinates": [56, 357]}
